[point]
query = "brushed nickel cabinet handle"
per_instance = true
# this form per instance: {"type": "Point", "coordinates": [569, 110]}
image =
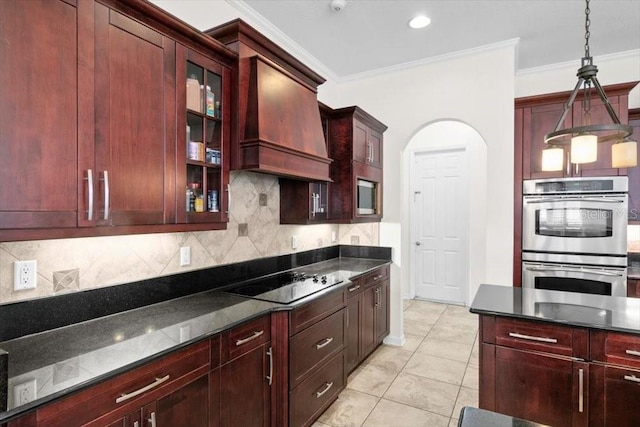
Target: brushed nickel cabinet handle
{"type": "Point", "coordinates": [127, 396]}
{"type": "Point", "coordinates": [325, 342]}
{"type": "Point", "coordinates": [106, 195]}
{"type": "Point", "coordinates": [355, 288]}
{"type": "Point", "coordinates": [327, 386]}
{"type": "Point", "coordinates": [632, 378]}
{"type": "Point", "coordinates": [633, 353]}
{"type": "Point", "coordinates": [228, 199]}
{"type": "Point", "coordinates": [152, 419]}
{"type": "Point", "coordinates": [90, 194]}
{"type": "Point", "coordinates": [581, 386]}
{"type": "Point", "coordinates": [377, 297]}
{"type": "Point", "coordinates": [270, 376]}
{"type": "Point", "coordinates": [255, 335]}
{"type": "Point", "coordinates": [532, 338]}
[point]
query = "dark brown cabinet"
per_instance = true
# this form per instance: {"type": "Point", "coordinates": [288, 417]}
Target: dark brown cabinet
{"type": "Point", "coordinates": [175, 387]}
{"type": "Point", "coordinates": [204, 99]}
{"type": "Point", "coordinates": [246, 374]}
{"type": "Point", "coordinates": [303, 202]}
{"type": "Point", "coordinates": [367, 315]}
{"type": "Point", "coordinates": [355, 145]}
{"type": "Point", "coordinates": [39, 114]}
{"type": "Point", "coordinates": [534, 371]}
{"type": "Point", "coordinates": [133, 158]}
{"type": "Point", "coordinates": [316, 357]}
{"type": "Point", "coordinates": [541, 387]}
{"type": "Point", "coordinates": [278, 131]}
{"type": "Point", "coordinates": [633, 288]}
{"type": "Point", "coordinates": [104, 159]}
{"type": "Point", "coordinates": [614, 379]}
{"type": "Point", "coordinates": [559, 375]}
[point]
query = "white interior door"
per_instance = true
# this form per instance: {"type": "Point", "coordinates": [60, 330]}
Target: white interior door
{"type": "Point", "coordinates": [439, 225]}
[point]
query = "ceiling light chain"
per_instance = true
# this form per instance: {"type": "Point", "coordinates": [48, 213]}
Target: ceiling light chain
{"type": "Point", "coordinates": [587, 23]}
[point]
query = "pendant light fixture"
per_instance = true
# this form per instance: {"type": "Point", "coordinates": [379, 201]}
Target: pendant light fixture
{"type": "Point", "coordinates": [585, 137]}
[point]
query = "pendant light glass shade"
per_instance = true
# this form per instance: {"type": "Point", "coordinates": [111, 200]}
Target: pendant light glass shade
{"type": "Point", "coordinates": [624, 154]}
{"type": "Point", "coordinates": [584, 149]}
{"type": "Point", "coordinates": [552, 159]}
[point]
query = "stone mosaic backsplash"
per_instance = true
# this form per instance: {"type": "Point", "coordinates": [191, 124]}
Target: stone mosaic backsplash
{"type": "Point", "coordinates": [65, 265]}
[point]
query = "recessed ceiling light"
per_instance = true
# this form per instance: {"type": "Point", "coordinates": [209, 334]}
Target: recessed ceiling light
{"type": "Point", "coordinates": [419, 21]}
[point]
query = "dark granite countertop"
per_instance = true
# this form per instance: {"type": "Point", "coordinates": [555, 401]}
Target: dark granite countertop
{"type": "Point", "coordinates": [594, 311]}
{"type": "Point", "coordinates": [474, 417]}
{"type": "Point", "coordinates": [74, 357]}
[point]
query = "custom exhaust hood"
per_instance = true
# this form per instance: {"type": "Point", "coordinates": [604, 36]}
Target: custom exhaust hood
{"type": "Point", "coordinates": [278, 128]}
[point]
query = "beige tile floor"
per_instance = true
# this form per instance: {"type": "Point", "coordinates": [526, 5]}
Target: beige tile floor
{"type": "Point", "coordinates": [424, 383]}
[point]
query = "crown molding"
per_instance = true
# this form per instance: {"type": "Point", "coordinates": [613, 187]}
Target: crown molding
{"type": "Point", "coordinates": [277, 36]}
{"type": "Point", "coordinates": [634, 54]}
{"type": "Point", "coordinates": [432, 60]}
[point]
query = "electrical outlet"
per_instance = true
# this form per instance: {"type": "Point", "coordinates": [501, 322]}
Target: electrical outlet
{"type": "Point", "coordinates": [333, 237]}
{"type": "Point", "coordinates": [24, 393]}
{"type": "Point", "coordinates": [294, 242]}
{"type": "Point", "coordinates": [25, 275]}
{"type": "Point", "coordinates": [185, 256]}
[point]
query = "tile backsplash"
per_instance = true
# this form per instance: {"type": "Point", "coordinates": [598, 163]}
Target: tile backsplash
{"type": "Point", "coordinates": [253, 232]}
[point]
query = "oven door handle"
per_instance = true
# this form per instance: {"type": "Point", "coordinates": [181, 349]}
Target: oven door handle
{"type": "Point", "coordinates": [575, 270]}
{"type": "Point", "coordinates": [573, 199]}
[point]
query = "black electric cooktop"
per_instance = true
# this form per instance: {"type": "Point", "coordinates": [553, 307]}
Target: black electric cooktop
{"type": "Point", "coordinates": [288, 287]}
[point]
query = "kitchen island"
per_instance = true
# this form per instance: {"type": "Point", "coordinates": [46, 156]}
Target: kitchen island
{"type": "Point", "coordinates": [559, 358]}
{"type": "Point", "coordinates": [55, 364]}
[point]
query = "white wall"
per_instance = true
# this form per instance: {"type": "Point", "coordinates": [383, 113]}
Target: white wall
{"type": "Point", "coordinates": [477, 89]}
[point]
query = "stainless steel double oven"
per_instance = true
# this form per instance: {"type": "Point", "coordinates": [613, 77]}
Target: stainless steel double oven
{"type": "Point", "coordinates": [574, 234]}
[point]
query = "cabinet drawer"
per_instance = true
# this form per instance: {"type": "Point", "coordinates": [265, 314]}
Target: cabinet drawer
{"type": "Point", "coordinates": [156, 378]}
{"type": "Point", "coordinates": [562, 340]}
{"type": "Point", "coordinates": [309, 314]}
{"type": "Point", "coordinates": [615, 347]}
{"type": "Point", "coordinates": [316, 344]}
{"type": "Point", "coordinates": [317, 392]}
{"type": "Point", "coordinates": [375, 276]}
{"type": "Point", "coordinates": [245, 337]}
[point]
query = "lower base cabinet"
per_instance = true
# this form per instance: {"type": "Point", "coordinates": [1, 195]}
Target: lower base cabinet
{"type": "Point", "coordinates": [246, 375]}
{"type": "Point", "coordinates": [367, 315]}
{"type": "Point", "coordinates": [559, 375]}
{"type": "Point", "coordinates": [540, 387]}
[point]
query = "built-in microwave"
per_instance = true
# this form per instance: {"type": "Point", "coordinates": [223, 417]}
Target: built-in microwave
{"type": "Point", "coordinates": [367, 203]}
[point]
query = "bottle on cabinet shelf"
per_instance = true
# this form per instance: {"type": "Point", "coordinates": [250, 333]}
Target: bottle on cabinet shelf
{"type": "Point", "coordinates": [194, 94]}
{"type": "Point", "coordinates": [210, 102]}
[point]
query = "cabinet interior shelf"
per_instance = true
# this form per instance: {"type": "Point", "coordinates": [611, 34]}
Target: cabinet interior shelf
{"type": "Point", "coordinates": [208, 165]}
{"type": "Point", "coordinates": [204, 116]}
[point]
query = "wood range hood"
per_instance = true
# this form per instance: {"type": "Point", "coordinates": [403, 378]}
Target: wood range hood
{"type": "Point", "coordinates": [278, 129]}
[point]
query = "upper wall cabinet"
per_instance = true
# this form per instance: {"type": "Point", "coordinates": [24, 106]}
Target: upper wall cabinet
{"type": "Point", "coordinates": [39, 114]}
{"type": "Point", "coordinates": [100, 153]}
{"type": "Point", "coordinates": [538, 115]}
{"type": "Point", "coordinates": [355, 144]}
{"type": "Point", "coordinates": [279, 129]}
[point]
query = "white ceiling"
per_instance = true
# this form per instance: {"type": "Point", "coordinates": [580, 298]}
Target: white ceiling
{"type": "Point", "coordinates": [370, 35]}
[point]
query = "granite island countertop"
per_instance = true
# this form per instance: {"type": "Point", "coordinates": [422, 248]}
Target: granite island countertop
{"type": "Point", "coordinates": [74, 357]}
{"type": "Point", "coordinates": [569, 308]}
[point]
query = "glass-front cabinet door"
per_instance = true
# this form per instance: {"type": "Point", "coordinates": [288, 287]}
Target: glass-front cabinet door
{"type": "Point", "coordinates": [203, 138]}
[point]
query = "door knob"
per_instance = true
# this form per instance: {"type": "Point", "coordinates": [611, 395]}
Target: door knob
{"type": "Point", "coordinates": [418, 243]}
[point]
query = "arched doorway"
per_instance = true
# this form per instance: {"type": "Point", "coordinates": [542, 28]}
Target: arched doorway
{"type": "Point", "coordinates": [446, 199]}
